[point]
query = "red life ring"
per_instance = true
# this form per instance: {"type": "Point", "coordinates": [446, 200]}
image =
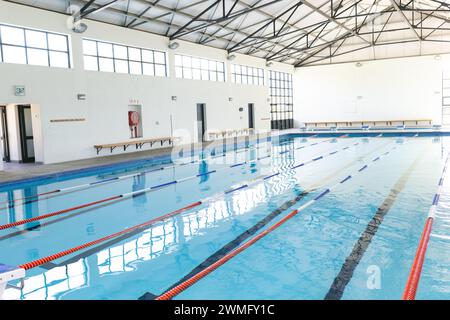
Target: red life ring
{"type": "Point", "coordinates": [133, 118]}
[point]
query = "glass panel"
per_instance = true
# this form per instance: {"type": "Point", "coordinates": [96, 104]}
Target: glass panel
{"type": "Point", "coordinates": [105, 50]}
{"type": "Point", "coordinates": [135, 67]}
{"type": "Point", "coordinates": [11, 35]}
{"type": "Point", "coordinates": [212, 65]}
{"type": "Point", "coordinates": [89, 47]}
{"type": "Point", "coordinates": [28, 122]}
{"type": "Point", "coordinates": [186, 61]}
{"type": "Point", "coordinates": [196, 74]}
{"type": "Point", "coordinates": [90, 63]}
{"type": "Point", "coordinates": [14, 54]}
{"type": "Point", "coordinates": [148, 69]}
{"type": "Point", "coordinates": [160, 70]}
{"type": "Point", "coordinates": [178, 60]}
{"type": "Point", "coordinates": [121, 66]}
{"type": "Point", "coordinates": [205, 75]}
{"type": "Point", "coordinates": [221, 76]}
{"type": "Point", "coordinates": [187, 73]}
{"type": "Point", "coordinates": [30, 148]}
{"type": "Point", "coordinates": [204, 64]}
{"type": "Point", "coordinates": [120, 52]}
{"type": "Point", "coordinates": [179, 72]}
{"type": "Point", "coordinates": [160, 57]}
{"type": "Point", "coordinates": [59, 59]}
{"type": "Point", "coordinates": [134, 54]}
{"type": "Point", "coordinates": [195, 63]}
{"type": "Point", "coordinates": [106, 64]}
{"type": "Point", "coordinates": [38, 57]}
{"type": "Point", "coordinates": [220, 66]}
{"type": "Point", "coordinates": [147, 56]}
{"type": "Point", "coordinates": [57, 42]}
{"type": "Point", "coordinates": [36, 39]}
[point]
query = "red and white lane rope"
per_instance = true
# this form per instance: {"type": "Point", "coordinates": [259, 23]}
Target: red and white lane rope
{"type": "Point", "coordinates": [58, 255]}
{"type": "Point", "coordinates": [189, 282]}
{"type": "Point", "coordinates": [37, 197]}
{"type": "Point", "coordinates": [161, 186]}
{"type": "Point", "coordinates": [416, 269]}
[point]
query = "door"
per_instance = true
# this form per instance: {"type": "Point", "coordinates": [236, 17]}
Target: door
{"type": "Point", "coordinates": [201, 121]}
{"type": "Point", "coordinates": [26, 133]}
{"type": "Point", "coordinates": [4, 134]}
{"type": "Point", "coordinates": [251, 116]}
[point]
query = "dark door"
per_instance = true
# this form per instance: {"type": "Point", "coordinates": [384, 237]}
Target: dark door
{"type": "Point", "coordinates": [4, 134]}
{"type": "Point", "coordinates": [251, 117]}
{"type": "Point", "coordinates": [26, 133]}
{"type": "Point", "coordinates": [201, 121]}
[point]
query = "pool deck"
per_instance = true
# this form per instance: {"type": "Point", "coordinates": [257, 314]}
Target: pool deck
{"type": "Point", "coordinates": [17, 172]}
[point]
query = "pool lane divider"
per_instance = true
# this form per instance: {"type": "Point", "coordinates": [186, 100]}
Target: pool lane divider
{"type": "Point", "coordinates": [340, 282]}
{"type": "Point", "coordinates": [412, 283]}
{"type": "Point", "coordinates": [114, 241]}
{"type": "Point", "coordinates": [150, 189]}
{"type": "Point", "coordinates": [236, 241]}
{"type": "Point", "coordinates": [41, 261]}
{"type": "Point", "coordinates": [203, 273]}
{"type": "Point", "coordinates": [44, 260]}
{"type": "Point", "coordinates": [12, 203]}
{"type": "Point", "coordinates": [231, 245]}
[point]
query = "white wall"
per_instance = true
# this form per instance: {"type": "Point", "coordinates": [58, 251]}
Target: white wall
{"type": "Point", "coordinates": [405, 88]}
{"type": "Point", "coordinates": [108, 95]}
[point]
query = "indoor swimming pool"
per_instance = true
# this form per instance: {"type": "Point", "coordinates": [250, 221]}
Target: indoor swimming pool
{"type": "Point", "coordinates": [138, 231]}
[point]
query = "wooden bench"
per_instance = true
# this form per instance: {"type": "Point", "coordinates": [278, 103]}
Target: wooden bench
{"type": "Point", "coordinates": [230, 133]}
{"type": "Point", "coordinates": [139, 143]}
{"type": "Point", "coordinates": [367, 124]}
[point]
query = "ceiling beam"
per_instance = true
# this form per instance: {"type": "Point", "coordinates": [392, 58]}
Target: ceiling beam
{"type": "Point", "coordinates": [403, 16]}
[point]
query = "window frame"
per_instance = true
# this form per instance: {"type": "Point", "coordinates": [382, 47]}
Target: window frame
{"type": "Point", "coordinates": [237, 72]}
{"type": "Point", "coordinates": [220, 76]}
{"type": "Point", "coordinates": [281, 96]}
{"type": "Point", "coordinates": [26, 47]}
{"type": "Point", "coordinates": [129, 61]}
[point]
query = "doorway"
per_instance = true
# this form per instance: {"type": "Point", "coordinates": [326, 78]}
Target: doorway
{"type": "Point", "coordinates": [4, 135]}
{"type": "Point", "coordinates": [26, 133]}
{"type": "Point", "coordinates": [201, 121]}
{"type": "Point", "coordinates": [251, 116]}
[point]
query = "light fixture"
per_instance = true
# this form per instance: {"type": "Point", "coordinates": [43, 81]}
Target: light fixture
{"type": "Point", "coordinates": [230, 99]}
{"type": "Point", "coordinates": [359, 64]}
{"type": "Point", "coordinates": [231, 57]}
{"type": "Point", "coordinates": [174, 98]}
{"type": "Point", "coordinates": [437, 57]}
{"type": "Point", "coordinates": [74, 21]}
{"type": "Point", "coordinates": [173, 45]}
{"type": "Point", "coordinates": [269, 63]}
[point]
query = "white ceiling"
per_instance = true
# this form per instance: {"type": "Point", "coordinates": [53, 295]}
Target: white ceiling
{"type": "Point", "coordinates": [295, 32]}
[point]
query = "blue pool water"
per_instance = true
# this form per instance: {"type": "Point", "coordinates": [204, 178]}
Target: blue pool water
{"type": "Point", "coordinates": [315, 255]}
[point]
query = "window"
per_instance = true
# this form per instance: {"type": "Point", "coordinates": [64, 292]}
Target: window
{"type": "Point", "coordinates": [281, 100]}
{"type": "Point", "coordinates": [34, 47]}
{"type": "Point", "coordinates": [247, 75]}
{"type": "Point", "coordinates": [199, 69]}
{"type": "Point", "coordinates": [111, 57]}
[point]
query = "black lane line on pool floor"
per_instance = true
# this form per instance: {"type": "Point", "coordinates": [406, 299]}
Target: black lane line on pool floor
{"type": "Point", "coordinates": [251, 231]}
{"type": "Point", "coordinates": [96, 249]}
{"type": "Point", "coordinates": [344, 276]}
{"type": "Point", "coordinates": [49, 266]}
{"type": "Point", "coordinates": [233, 244]}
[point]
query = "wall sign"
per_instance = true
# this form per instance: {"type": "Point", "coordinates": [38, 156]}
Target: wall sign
{"type": "Point", "coordinates": [19, 91]}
